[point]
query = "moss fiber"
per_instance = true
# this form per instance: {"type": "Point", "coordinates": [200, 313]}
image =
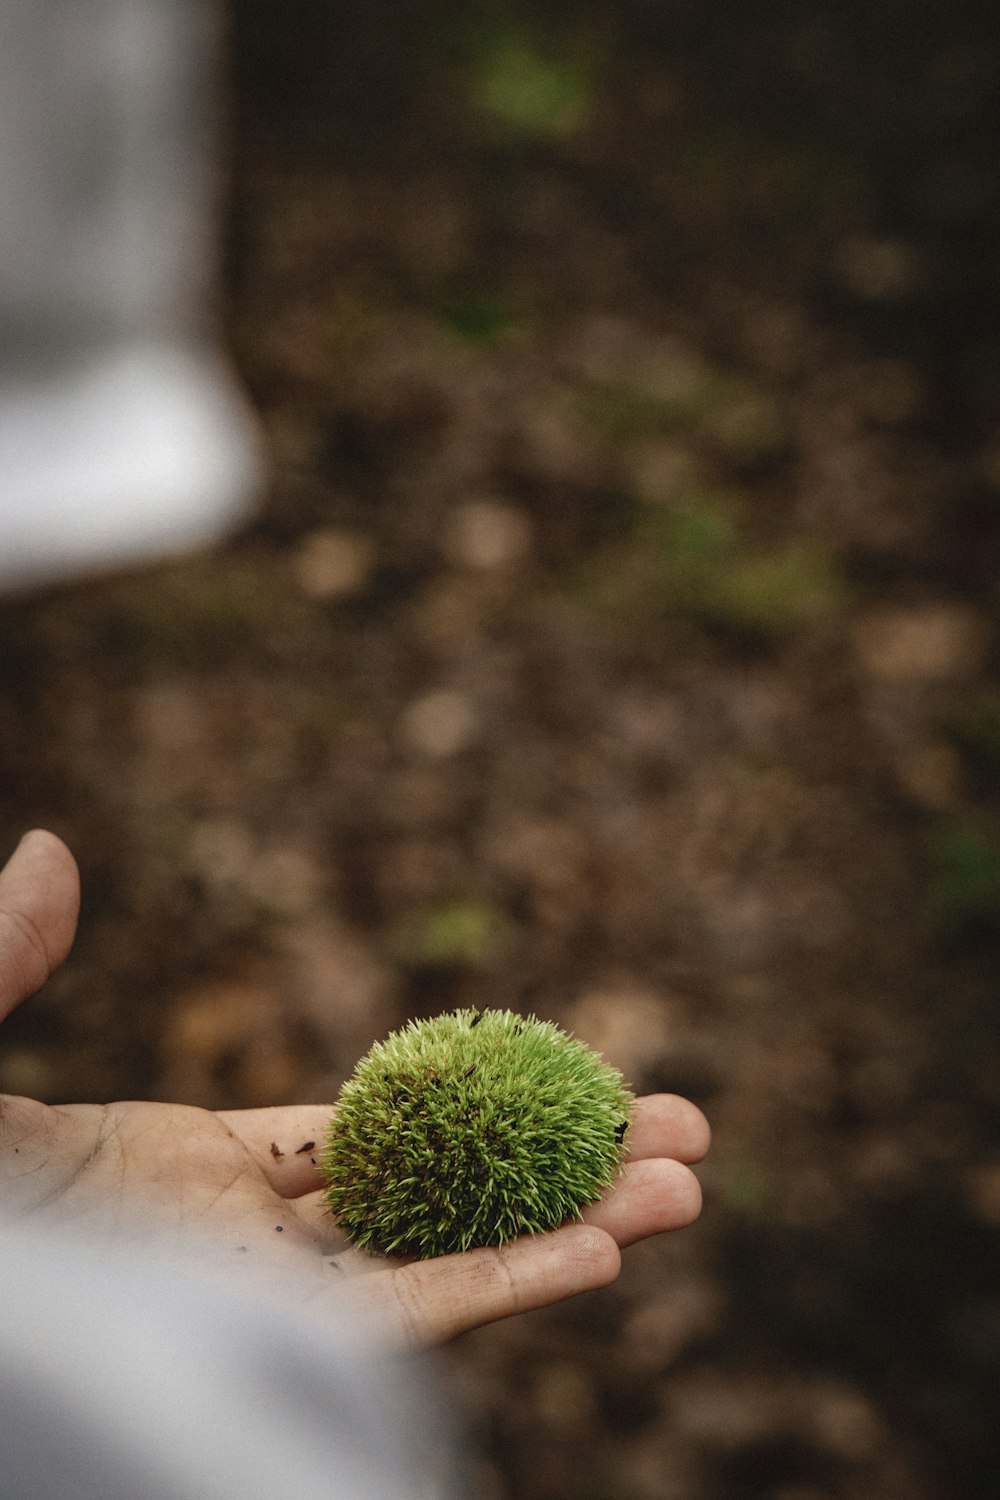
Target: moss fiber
{"type": "Point", "coordinates": [470, 1129]}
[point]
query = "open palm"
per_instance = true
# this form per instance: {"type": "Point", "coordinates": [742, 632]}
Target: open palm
{"type": "Point", "coordinates": [244, 1186]}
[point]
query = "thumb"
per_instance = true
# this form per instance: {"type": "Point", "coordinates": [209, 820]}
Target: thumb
{"type": "Point", "coordinates": [39, 906]}
{"type": "Point", "coordinates": [429, 1301]}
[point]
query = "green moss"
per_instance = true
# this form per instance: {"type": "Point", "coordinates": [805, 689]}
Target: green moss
{"type": "Point", "coordinates": [692, 540]}
{"type": "Point", "coordinates": [529, 90]}
{"type": "Point", "coordinates": [676, 401]}
{"type": "Point", "coordinates": [483, 318]}
{"type": "Point", "coordinates": [964, 877]}
{"type": "Point", "coordinates": [689, 396]}
{"type": "Point", "coordinates": [470, 1129]}
{"type": "Point", "coordinates": [691, 559]}
{"type": "Point", "coordinates": [465, 932]}
{"type": "Point", "coordinates": [775, 593]}
{"type": "Point", "coordinates": [666, 562]}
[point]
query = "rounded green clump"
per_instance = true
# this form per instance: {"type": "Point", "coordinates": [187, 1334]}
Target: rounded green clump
{"type": "Point", "coordinates": [469, 1129]}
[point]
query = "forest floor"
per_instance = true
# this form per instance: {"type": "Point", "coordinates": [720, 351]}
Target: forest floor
{"type": "Point", "coordinates": [617, 641]}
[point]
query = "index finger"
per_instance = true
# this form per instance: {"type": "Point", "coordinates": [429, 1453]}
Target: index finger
{"type": "Point", "coordinates": [429, 1301]}
{"type": "Point", "coordinates": [284, 1141]}
{"type": "Point", "coordinates": [667, 1125]}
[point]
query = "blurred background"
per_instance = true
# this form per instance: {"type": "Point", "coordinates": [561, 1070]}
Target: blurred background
{"type": "Point", "coordinates": [616, 640]}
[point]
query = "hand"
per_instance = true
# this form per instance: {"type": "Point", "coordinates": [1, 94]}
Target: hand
{"type": "Point", "coordinates": [245, 1182]}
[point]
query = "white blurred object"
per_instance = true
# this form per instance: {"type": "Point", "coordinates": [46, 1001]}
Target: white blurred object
{"type": "Point", "coordinates": [122, 432]}
{"type": "Point", "coordinates": [141, 1371]}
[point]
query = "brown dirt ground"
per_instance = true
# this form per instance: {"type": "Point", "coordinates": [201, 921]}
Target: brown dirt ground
{"type": "Point", "coordinates": [617, 640]}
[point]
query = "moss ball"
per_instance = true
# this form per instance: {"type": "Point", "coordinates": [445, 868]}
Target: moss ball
{"type": "Point", "coordinates": [470, 1129]}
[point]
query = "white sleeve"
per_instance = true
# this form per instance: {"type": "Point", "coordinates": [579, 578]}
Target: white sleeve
{"type": "Point", "coordinates": [123, 434]}
{"type": "Point", "coordinates": [126, 1380]}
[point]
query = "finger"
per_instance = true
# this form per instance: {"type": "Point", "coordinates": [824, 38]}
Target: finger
{"type": "Point", "coordinates": [39, 906]}
{"type": "Point", "coordinates": [667, 1125]}
{"type": "Point", "coordinates": [665, 1131]}
{"type": "Point", "coordinates": [433, 1300]}
{"type": "Point", "coordinates": [284, 1140]}
{"type": "Point", "coordinates": [285, 1143]}
{"type": "Point", "coordinates": [650, 1197]}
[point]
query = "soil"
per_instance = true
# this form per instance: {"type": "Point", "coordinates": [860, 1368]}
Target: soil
{"type": "Point", "coordinates": [616, 641]}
